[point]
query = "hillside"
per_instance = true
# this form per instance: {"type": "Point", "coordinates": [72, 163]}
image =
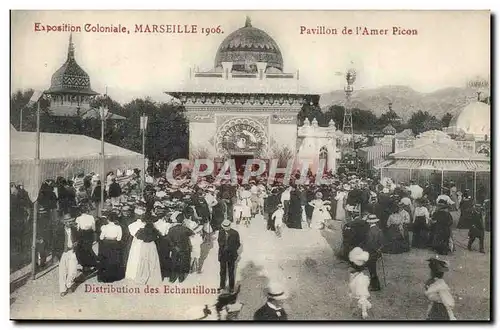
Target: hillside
{"type": "Point", "coordinates": [404, 100]}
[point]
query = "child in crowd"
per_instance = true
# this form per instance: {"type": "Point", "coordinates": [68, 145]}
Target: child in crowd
{"type": "Point", "coordinates": [278, 219]}
{"type": "Point", "coordinates": [196, 241]}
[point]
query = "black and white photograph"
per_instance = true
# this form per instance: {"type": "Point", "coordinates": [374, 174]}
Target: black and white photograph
{"type": "Point", "coordinates": [250, 165]}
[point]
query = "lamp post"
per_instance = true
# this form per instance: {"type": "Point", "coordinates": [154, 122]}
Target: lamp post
{"type": "Point", "coordinates": [36, 97]}
{"type": "Point", "coordinates": [144, 125]}
{"type": "Point", "coordinates": [104, 113]}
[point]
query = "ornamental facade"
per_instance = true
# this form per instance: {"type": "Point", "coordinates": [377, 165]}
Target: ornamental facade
{"type": "Point", "coordinates": [247, 106]}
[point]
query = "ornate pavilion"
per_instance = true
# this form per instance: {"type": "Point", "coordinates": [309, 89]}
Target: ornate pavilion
{"type": "Point", "coordinates": [70, 90]}
{"type": "Point", "coordinates": [247, 106]}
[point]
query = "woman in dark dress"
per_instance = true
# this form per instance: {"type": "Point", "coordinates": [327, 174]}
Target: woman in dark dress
{"type": "Point", "coordinates": [111, 251]}
{"type": "Point", "coordinates": [397, 234]}
{"type": "Point", "coordinates": [420, 225]}
{"type": "Point", "coordinates": [466, 206]}
{"type": "Point", "coordinates": [86, 226]}
{"type": "Point", "coordinates": [441, 228]}
{"type": "Point", "coordinates": [310, 194]}
{"type": "Point", "coordinates": [163, 243]}
{"type": "Point", "coordinates": [295, 210]}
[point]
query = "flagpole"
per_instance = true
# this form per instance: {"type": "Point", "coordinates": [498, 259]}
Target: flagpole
{"type": "Point", "coordinates": [37, 184]}
{"type": "Point", "coordinates": [143, 127]}
{"type": "Point", "coordinates": [21, 120]}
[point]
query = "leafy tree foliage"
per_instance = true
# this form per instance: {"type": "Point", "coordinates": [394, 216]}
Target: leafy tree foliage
{"type": "Point", "coordinates": [423, 121]}
{"type": "Point", "coordinates": [445, 121]}
{"type": "Point", "coordinates": [167, 134]}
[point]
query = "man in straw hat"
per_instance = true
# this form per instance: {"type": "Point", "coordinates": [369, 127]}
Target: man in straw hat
{"type": "Point", "coordinates": [273, 308]}
{"type": "Point", "coordinates": [65, 248]}
{"type": "Point", "coordinates": [373, 245]}
{"type": "Point", "coordinates": [229, 243]}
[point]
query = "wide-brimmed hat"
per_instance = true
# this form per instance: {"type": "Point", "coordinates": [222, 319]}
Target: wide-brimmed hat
{"type": "Point", "coordinates": [68, 218]}
{"type": "Point", "coordinates": [174, 216]}
{"type": "Point", "coordinates": [442, 204]}
{"type": "Point", "coordinates": [226, 224]}
{"type": "Point", "coordinates": [358, 257]}
{"type": "Point", "coordinates": [372, 218]}
{"type": "Point", "coordinates": [438, 264]}
{"type": "Point", "coordinates": [140, 210]}
{"type": "Point", "coordinates": [276, 291]}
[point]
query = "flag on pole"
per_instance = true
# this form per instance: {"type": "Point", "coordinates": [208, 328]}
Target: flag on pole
{"type": "Point", "coordinates": [35, 97]}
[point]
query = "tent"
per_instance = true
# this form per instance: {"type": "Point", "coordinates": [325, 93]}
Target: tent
{"type": "Point", "coordinates": [437, 161]}
{"type": "Point", "coordinates": [63, 155]}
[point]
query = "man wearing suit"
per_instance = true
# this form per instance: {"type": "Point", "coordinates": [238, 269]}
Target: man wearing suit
{"type": "Point", "coordinates": [273, 308]}
{"type": "Point", "coordinates": [180, 247]}
{"type": "Point", "coordinates": [65, 250]}
{"type": "Point", "coordinates": [373, 245]}
{"type": "Point", "coordinates": [476, 228]}
{"type": "Point", "coordinates": [229, 243]}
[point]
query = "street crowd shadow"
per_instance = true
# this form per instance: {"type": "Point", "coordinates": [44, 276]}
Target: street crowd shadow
{"type": "Point", "coordinates": [205, 248]}
{"type": "Point", "coordinates": [82, 278]}
{"type": "Point", "coordinates": [14, 285]}
{"type": "Point", "coordinates": [253, 284]}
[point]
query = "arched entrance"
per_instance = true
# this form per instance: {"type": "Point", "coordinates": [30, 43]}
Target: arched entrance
{"type": "Point", "coordinates": [241, 139]}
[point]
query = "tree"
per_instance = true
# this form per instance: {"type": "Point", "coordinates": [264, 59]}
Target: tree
{"type": "Point", "coordinates": [422, 121]}
{"type": "Point", "coordinates": [389, 117]}
{"type": "Point", "coordinates": [336, 113]}
{"type": "Point", "coordinates": [167, 134]}
{"type": "Point", "coordinates": [445, 121]}
{"type": "Point", "coordinates": [310, 112]}
{"type": "Point", "coordinates": [363, 120]}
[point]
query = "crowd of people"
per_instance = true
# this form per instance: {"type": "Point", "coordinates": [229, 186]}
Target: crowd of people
{"type": "Point", "coordinates": [157, 230]}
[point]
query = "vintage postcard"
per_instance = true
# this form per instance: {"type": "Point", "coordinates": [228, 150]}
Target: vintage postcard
{"type": "Point", "coordinates": [250, 165]}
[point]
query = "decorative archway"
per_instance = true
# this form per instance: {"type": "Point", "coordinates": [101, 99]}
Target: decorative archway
{"type": "Point", "coordinates": [241, 136]}
{"type": "Point", "coordinates": [323, 153]}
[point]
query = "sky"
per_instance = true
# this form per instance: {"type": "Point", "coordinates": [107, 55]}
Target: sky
{"type": "Point", "coordinates": [450, 48]}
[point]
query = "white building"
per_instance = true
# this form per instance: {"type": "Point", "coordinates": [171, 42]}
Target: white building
{"type": "Point", "coordinates": [247, 106]}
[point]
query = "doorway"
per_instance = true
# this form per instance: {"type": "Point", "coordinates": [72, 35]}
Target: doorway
{"type": "Point", "coordinates": [240, 162]}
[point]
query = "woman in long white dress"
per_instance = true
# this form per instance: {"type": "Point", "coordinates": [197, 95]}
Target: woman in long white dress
{"type": "Point", "coordinates": [319, 214]}
{"type": "Point", "coordinates": [340, 211]}
{"type": "Point", "coordinates": [359, 282]}
{"type": "Point", "coordinates": [143, 266]}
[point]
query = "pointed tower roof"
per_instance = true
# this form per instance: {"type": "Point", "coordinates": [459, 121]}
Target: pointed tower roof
{"type": "Point", "coordinates": [70, 77]}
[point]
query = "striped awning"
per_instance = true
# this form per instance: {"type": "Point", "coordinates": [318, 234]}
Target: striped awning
{"type": "Point", "coordinates": [438, 165]}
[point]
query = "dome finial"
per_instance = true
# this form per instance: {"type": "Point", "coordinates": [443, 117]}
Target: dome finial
{"type": "Point", "coordinates": [71, 48]}
{"type": "Point", "coordinates": [248, 22]}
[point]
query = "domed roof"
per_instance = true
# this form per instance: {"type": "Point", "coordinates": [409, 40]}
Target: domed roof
{"type": "Point", "coordinates": [473, 119]}
{"type": "Point", "coordinates": [246, 46]}
{"type": "Point", "coordinates": [70, 77]}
